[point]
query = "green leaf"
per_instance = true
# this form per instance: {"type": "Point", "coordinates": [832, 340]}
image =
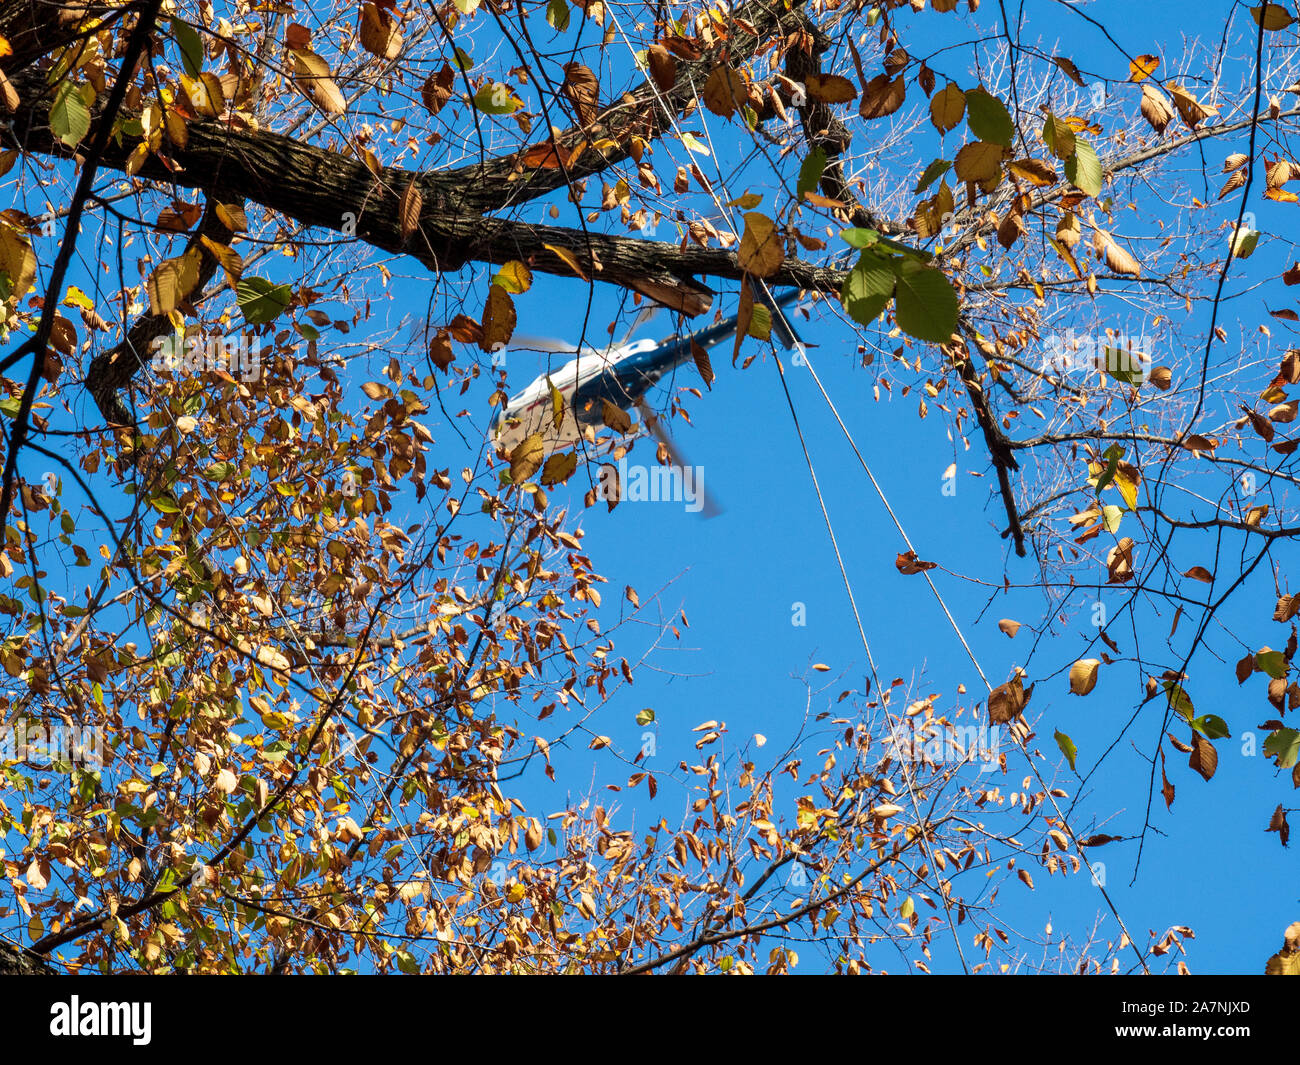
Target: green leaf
{"type": "Point", "coordinates": [859, 238]}
{"type": "Point", "coordinates": [1058, 137]}
{"type": "Point", "coordinates": [933, 173]}
{"type": "Point", "coordinates": [1244, 242]}
{"type": "Point", "coordinates": [1211, 726]}
{"type": "Point", "coordinates": [810, 174]}
{"type": "Point", "coordinates": [1111, 516]}
{"type": "Point", "coordinates": [69, 115]}
{"type": "Point", "coordinates": [191, 47]}
{"type": "Point", "coordinates": [557, 14]}
{"type": "Point", "coordinates": [1179, 699]}
{"type": "Point", "coordinates": [868, 288]}
{"type": "Point", "coordinates": [644, 717]}
{"type": "Point", "coordinates": [1112, 455]}
{"type": "Point", "coordinates": [989, 118]}
{"type": "Point", "coordinates": [927, 305]}
{"type": "Point", "coordinates": [260, 300]}
{"type": "Point", "coordinates": [1083, 169]}
{"type": "Point", "coordinates": [1067, 746]}
{"type": "Point", "coordinates": [760, 323]}
{"type": "Point", "coordinates": [9, 407]}
{"type": "Point", "coordinates": [1284, 745]}
{"type": "Point", "coordinates": [495, 98]}
{"type": "Point", "coordinates": [1272, 662]}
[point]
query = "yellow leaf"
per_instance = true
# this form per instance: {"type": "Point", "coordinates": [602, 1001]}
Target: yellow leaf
{"type": "Point", "coordinates": [761, 252]}
{"type": "Point", "coordinates": [514, 277]}
{"type": "Point", "coordinates": [947, 108]}
{"type": "Point", "coordinates": [1083, 675]}
{"type": "Point", "coordinates": [1142, 67]}
{"type": "Point", "coordinates": [567, 257]}
{"type": "Point", "coordinates": [526, 458]}
{"type": "Point", "coordinates": [979, 162]}
{"type": "Point", "coordinates": [17, 261]}
{"type": "Point", "coordinates": [314, 77]}
{"type": "Point", "coordinates": [559, 468]}
{"type": "Point", "coordinates": [498, 319]}
{"type": "Point", "coordinates": [379, 33]}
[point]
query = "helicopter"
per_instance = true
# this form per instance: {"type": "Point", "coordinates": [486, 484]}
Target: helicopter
{"type": "Point", "coordinates": [622, 375]}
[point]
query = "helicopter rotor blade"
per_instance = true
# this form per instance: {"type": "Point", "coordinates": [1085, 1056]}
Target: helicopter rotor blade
{"type": "Point", "coordinates": [550, 344]}
{"type": "Point", "coordinates": [651, 421]}
{"type": "Point", "coordinates": [644, 315]}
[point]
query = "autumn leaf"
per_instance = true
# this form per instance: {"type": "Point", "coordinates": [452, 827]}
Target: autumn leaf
{"type": "Point", "coordinates": [379, 33]}
{"type": "Point", "coordinates": [1083, 676]}
{"type": "Point", "coordinates": [314, 77]}
{"type": "Point", "coordinates": [1071, 71]}
{"type": "Point", "coordinates": [725, 90]}
{"type": "Point", "coordinates": [761, 247]}
{"type": "Point", "coordinates": [908, 564]}
{"type": "Point", "coordinates": [526, 458]}
{"type": "Point", "coordinates": [830, 88]}
{"type": "Point", "coordinates": [979, 162]}
{"type": "Point", "coordinates": [557, 469]}
{"type": "Point", "coordinates": [947, 107]}
{"type": "Point", "coordinates": [1156, 108]}
{"type": "Point", "coordinates": [498, 319]}
{"type": "Point", "coordinates": [1143, 67]}
{"type": "Point", "coordinates": [882, 96]}
{"type": "Point", "coordinates": [663, 67]}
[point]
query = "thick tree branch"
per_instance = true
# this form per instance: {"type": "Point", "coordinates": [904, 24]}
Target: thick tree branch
{"type": "Point", "coordinates": [112, 371]}
{"type": "Point", "coordinates": [645, 112]}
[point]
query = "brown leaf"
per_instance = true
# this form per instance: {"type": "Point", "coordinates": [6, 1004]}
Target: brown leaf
{"type": "Point", "coordinates": [1119, 562]}
{"type": "Point", "coordinates": [1071, 71]}
{"type": "Point", "coordinates": [1037, 172]}
{"type": "Point", "coordinates": [1200, 573]}
{"type": "Point", "coordinates": [498, 319]}
{"type": "Point", "coordinates": [1279, 824]}
{"type": "Point", "coordinates": [947, 108]}
{"type": "Point", "coordinates": [615, 417]}
{"type": "Point", "coordinates": [379, 33]}
{"type": "Point", "coordinates": [1007, 701]}
{"type": "Point", "coordinates": [1142, 67]}
{"type": "Point", "coordinates": [409, 209]}
{"type": "Point", "coordinates": [1119, 260]}
{"type": "Point", "coordinates": [1009, 627]}
{"type": "Point", "coordinates": [559, 468]}
{"type": "Point", "coordinates": [1011, 229]}
{"type": "Point", "coordinates": [1287, 607]}
{"type": "Point", "coordinates": [830, 88]}
{"type": "Point", "coordinates": [437, 89]}
{"type": "Point", "coordinates": [1204, 759]}
{"type": "Point", "coordinates": [1193, 112]}
{"type": "Point", "coordinates": [882, 97]}
{"type": "Point", "coordinates": [702, 363]}
{"type": "Point", "coordinates": [663, 67]}
{"type": "Point", "coordinates": [1083, 676]}
{"type": "Point", "coordinates": [908, 564]}
{"type": "Point", "coordinates": [581, 89]}
{"type": "Point", "coordinates": [979, 162]}
{"type": "Point", "coordinates": [725, 90]}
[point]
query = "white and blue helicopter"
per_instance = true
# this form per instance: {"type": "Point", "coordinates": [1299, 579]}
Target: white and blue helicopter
{"type": "Point", "coordinates": [621, 374]}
